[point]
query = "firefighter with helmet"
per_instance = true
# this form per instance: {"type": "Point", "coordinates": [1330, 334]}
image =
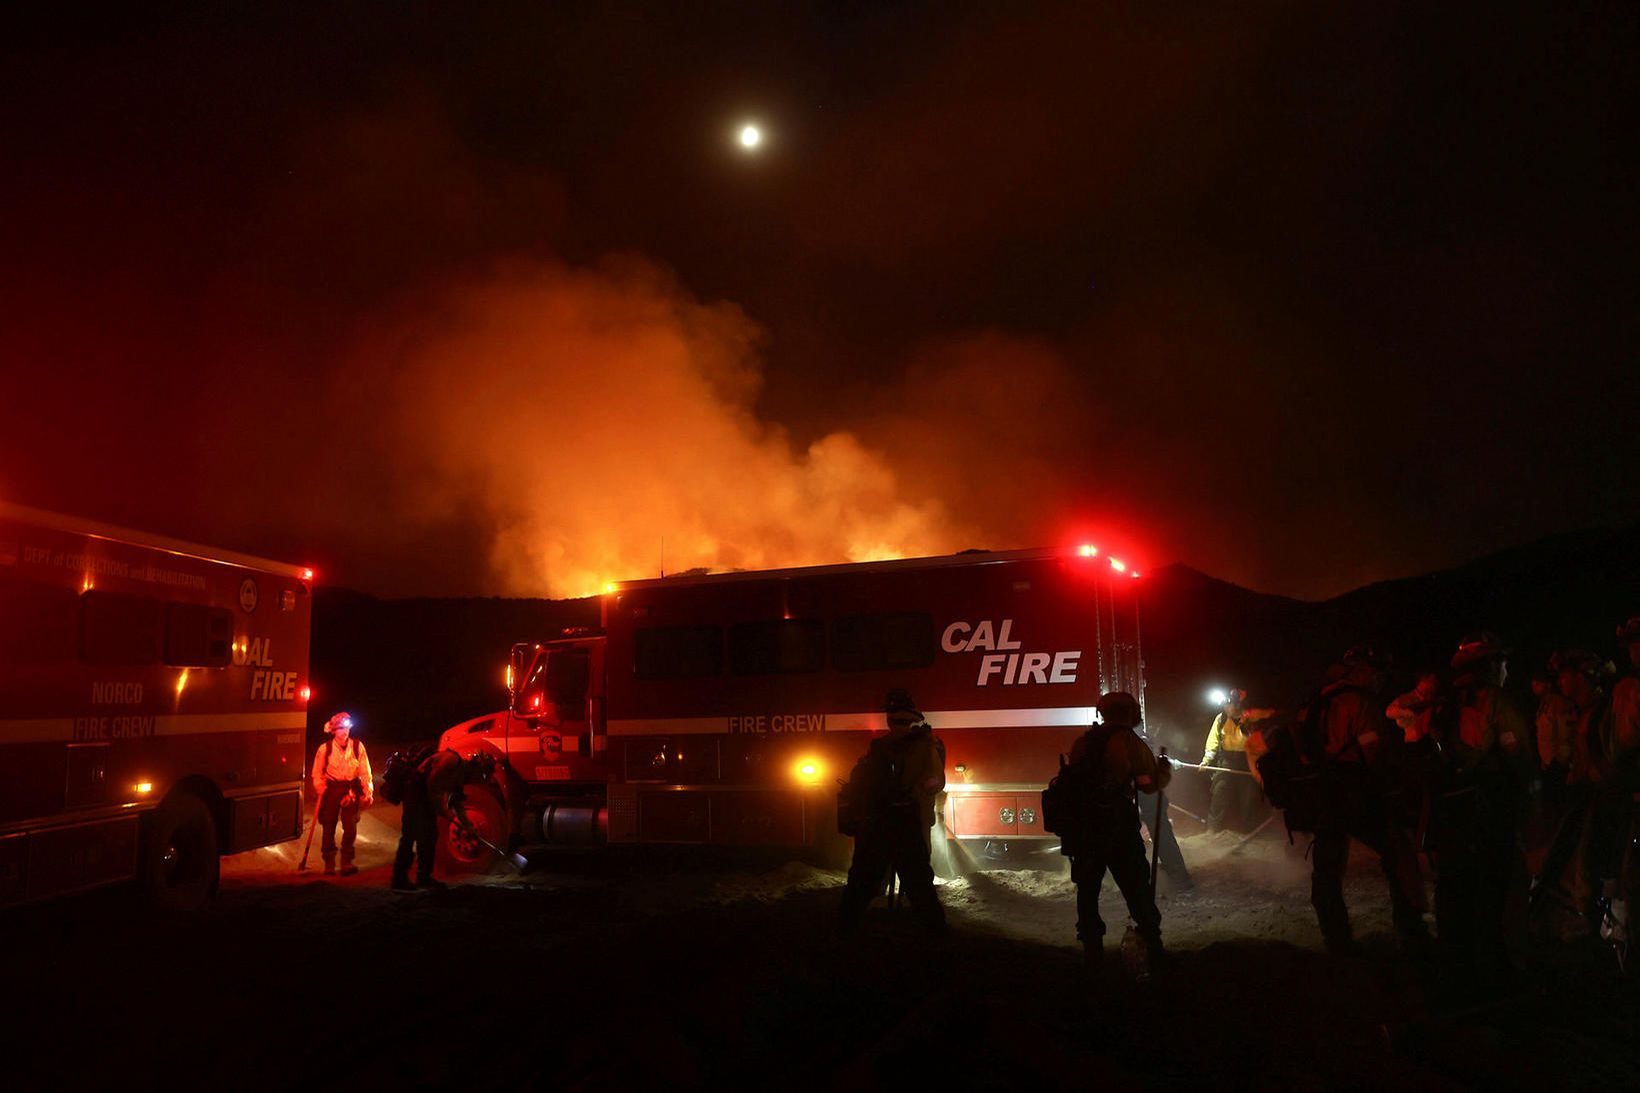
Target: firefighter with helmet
{"type": "Point", "coordinates": [434, 788]}
{"type": "Point", "coordinates": [1357, 750]}
{"type": "Point", "coordinates": [341, 782]}
{"type": "Point", "coordinates": [1615, 759]}
{"type": "Point", "coordinates": [1568, 718]}
{"type": "Point", "coordinates": [888, 807]}
{"type": "Point", "coordinates": [1487, 763]}
{"type": "Point", "coordinates": [1234, 795]}
{"type": "Point", "coordinates": [1109, 764]}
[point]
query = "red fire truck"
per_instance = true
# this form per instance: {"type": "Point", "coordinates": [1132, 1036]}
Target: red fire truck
{"type": "Point", "coordinates": [152, 707]}
{"type": "Point", "coordinates": [724, 708]}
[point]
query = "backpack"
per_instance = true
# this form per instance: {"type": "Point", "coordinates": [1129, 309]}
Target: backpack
{"type": "Point", "coordinates": [873, 790]}
{"type": "Point", "coordinates": [1071, 800]}
{"type": "Point", "coordinates": [1291, 769]}
{"type": "Point", "coordinates": [401, 766]}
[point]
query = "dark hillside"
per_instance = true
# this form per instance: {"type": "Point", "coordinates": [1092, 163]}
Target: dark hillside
{"type": "Point", "coordinates": [408, 669]}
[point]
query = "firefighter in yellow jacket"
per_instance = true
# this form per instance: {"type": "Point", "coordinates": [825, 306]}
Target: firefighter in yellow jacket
{"type": "Point", "coordinates": [891, 795]}
{"type": "Point", "coordinates": [341, 781]}
{"type": "Point", "coordinates": [1108, 765]}
{"type": "Point", "coordinates": [1235, 795]}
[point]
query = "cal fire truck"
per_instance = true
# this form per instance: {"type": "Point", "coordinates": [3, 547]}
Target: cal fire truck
{"type": "Point", "coordinates": [152, 707]}
{"type": "Point", "coordinates": [724, 708]}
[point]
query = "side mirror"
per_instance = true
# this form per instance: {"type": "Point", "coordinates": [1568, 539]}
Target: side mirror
{"type": "Point", "coordinates": [518, 667]}
{"type": "Point", "coordinates": [523, 687]}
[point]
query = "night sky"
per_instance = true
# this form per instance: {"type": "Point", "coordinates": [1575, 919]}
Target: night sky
{"type": "Point", "coordinates": [451, 301]}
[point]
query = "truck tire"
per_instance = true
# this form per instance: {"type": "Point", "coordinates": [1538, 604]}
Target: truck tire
{"type": "Point", "coordinates": [458, 853]}
{"type": "Point", "coordinates": [180, 866]}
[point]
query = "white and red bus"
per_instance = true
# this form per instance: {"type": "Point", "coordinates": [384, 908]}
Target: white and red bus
{"type": "Point", "coordinates": [153, 707]}
{"type": "Point", "coordinates": [724, 708]}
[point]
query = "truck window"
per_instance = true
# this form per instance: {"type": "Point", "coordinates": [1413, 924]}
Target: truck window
{"type": "Point", "coordinates": [868, 643]}
{"type": "Point", "coordinates": [197, 636]}
{"type": "Point", "coordinates": [38, 622]}
{"type": "Point", "coordinates": [677, 652]}
{"type": "Point", "coordinates": [568, 673]}
{"type": "Point", "coordinates": [116, 628]}
{"type": "Point", "coordinates": [777, 647]}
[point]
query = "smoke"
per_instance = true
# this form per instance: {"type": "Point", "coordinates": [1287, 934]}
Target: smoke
{"type": "Point", "coordinates": [601, 422]}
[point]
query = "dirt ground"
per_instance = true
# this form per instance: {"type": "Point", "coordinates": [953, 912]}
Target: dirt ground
{"type": "Point", "coordinates": [666, 968]}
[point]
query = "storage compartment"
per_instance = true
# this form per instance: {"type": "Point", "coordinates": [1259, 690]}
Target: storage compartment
{"type": "Point", "coordinates": [261, 821]}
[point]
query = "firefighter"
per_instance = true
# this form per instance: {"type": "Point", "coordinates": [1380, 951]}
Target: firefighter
{"type": "Point", "coordinates": [1108, 765]}
{"type": "Point", "coordinates": [435, 788]}
{"type": "Point", "coordinates": [1358, 752]}
{"type": "Point", "coordinates": [1486, 765]}
{"type": "Point", "coordinates": [891, 793]}
{"type": "Point", "coordinates": [341, 781]}
{"type": "Point", "coordinates": [1411, 711]}
{"type": "Point", "coordinates": [1614, 748]}
{"type": "Point", "coordinates": [1234, 796]}
{"type": "Point", "coordinates": [1567, 718]}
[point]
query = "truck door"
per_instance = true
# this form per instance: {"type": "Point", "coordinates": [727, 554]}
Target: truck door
{"type": "Point", "coordinates": [562, 702]}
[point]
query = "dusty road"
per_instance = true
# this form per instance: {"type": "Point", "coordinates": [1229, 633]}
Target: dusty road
{"type": "Point", "coordinates": [649, 969]}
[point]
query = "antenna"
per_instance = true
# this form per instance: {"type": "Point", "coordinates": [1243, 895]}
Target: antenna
{"type": "Point", "coordinates": [663, 555]}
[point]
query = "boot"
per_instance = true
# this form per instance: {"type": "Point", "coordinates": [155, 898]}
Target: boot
{"type": "Point", "coordinates": [349, 869]}
{"type": "Point", "coordinates": [330, 867]}
{"type": "Point", "coordinates": [402, 884]}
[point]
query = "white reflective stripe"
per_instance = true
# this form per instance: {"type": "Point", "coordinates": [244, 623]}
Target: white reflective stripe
{"type": "Point", "coordinates": [1051, 717]}
{"type": "Point", "coordinates": [194, 724]}
{"type": "Point", "coordinates": [39, 730]}
{"type": "Point", "coordinates": [30, 731]}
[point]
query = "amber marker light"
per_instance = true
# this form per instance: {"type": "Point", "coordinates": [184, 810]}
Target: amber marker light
{"type": "Point", "coordinates": [144, 788]}
{"type": "Point", "coordinates": [808, 771]}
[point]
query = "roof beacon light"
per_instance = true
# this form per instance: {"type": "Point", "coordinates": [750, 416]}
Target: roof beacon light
{"type": "Point", "coordinates": [1088, 550]}
{"type": "Point", "coordinates": [1120, 567]}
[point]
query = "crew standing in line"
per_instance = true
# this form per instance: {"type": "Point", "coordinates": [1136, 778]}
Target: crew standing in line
{"type": "Point", "coordinates": [341, 781]}
{"type": "Point", "coordinates": [1108, 766]}
{"type": "Point", "coordinates": [888, 807]}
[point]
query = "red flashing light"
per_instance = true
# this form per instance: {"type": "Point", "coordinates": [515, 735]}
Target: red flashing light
{"type": "Point", "coordinates": [306, 693]}
{"type": "Point", "coordinates": [1087, 550]}
{"type": "Point", "coordinates": [307, 575]}
{"type": "Point", "coordinates": [1134, 574]}
{"type": "Point", "coordinates": [1118, 566]}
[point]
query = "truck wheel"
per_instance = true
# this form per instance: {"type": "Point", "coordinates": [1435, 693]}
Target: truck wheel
{"type": "Point", "coordinates": [180, 866]}
{"type": "Point", "coordinates": [459, 854]}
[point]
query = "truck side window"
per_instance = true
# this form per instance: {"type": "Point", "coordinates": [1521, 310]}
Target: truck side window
{"type": "Point", "coordinates": [677, 652]}
{"type": "Point", "coordinates": [866, 643]}
{"type": "Point", "coordinates": [568, 673]}
{"type": "Point", "coordinates": [40, 622]}
{"type": "Point", "coordinates": [117, 628]}
{"type": "Point", "coordinates": [197, 636]}
{"type": "Point", "coordinates": [777, 647]}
